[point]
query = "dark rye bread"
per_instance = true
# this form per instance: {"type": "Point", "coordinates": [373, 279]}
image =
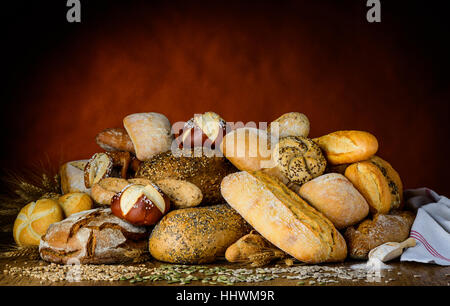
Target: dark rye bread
{"type": "Point", "coordinates": [93, 237]}
{"type": "Point", "coordinates": [283, 218]}
{"type": "Point", "coordinates": [196, 235]}
{"type": "Point", "coordinates": [198, 167]}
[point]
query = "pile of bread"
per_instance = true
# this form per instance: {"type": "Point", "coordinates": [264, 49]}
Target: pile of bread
{"type": "Point", "coordinates": [193, 194]}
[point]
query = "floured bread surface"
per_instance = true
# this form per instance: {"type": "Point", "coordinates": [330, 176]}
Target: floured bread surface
{"type": "Point", "coordinates": [72, 177]}
{"type": "Point", "coordinates": [336, 197]}
{"type": "Point", "coordinates": [149, 132]}
{"type": "Point", "coordinates": [283, 218]}
{"type": "Point", "coordinates": [94, 236]}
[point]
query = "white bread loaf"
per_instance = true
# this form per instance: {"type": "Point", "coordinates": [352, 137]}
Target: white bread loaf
{"type": "Point", "coordinates": [283, 218]}
{"type": "Point", "coordinates": [336, 197]}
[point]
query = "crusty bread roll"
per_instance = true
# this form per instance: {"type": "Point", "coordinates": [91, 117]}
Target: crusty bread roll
{"type": "Point", "coordinates": [150, 134]}
{"type": "Point", "coordinates": [196, 235]}
{"type": "Point", "coordinates": [105, 189]}
{"type": "Point", "coordinates": [72, 177]}
{"type": "Point", "coordinates": [334, 196]}
{"type": "Point", "coordinates": [93, 236]}
{"type": "Point", "coordinates": [283, 218]}
{"type": "Point", "coordinates": [182, 194]}
{"type": "Point", "coordinates": [34, 219]}
{"type": "Point", "coordinates": [343, 147]}
{"type": "Point", "coordinates": [369, 234]}
{"type": "Point", "coordinates": [248, 149]}
{"type": "Point", "coordinates": [290, 124]}
{"type": "Point", "coordinates": [378, 182]}
{"type": "Point", "coordinates": [198, 166]}
{"type": "Point", "coordinates": [299, 159]}
{"type": "Point", "coordinates": [75, 202]}
{"type": "Point", "coordinates": [115, 139]}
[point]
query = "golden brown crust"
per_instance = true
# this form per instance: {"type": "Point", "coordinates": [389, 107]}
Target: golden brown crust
{"type": "Point", "coordinates": [283, 218]}
{"type": "Point", "coordinates": [34, 219]}
{"type": "Point", "coordinates": [196, 235]}
{"type": "Point", "coordinates": [182, 194]}
{"type": "Point", "coordinates": [343, 147]}
{"type": "Point", "coordinates": [103, 191]}
{"type": "Point", "coordinates": [394, 181]}
{"type": "Point", "coordinates": [248, 149]}
{"type": "Point", "coordinates": [203, 171]}
{"type": "Point", "coordinates": [378, 182]}
{"type": "Point", "coordinates": [75, 202]}
{"type": "Point", "coordinates": [115, 139]}
{"type": "Point", "coordinates": [334, 195]}
{"type": "Point", "coordinates": [369, 234]}
{"type": "Point", "coordinates": [299, 159]}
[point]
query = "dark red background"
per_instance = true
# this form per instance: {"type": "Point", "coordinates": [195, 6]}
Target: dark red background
{"type": "Point", "coordinates": [246, 60]}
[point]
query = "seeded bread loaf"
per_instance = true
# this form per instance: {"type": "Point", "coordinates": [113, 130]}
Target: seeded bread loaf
{"type": "Point", "coordinates": [93, 236]}
{"type": "Point", "coordinates": [198, 167]}
{"type": "Point", "coordinates": [394, 227]}
{"type": "Point", "coordinates": [196, 235]}
{"type": "Point", "coordinates": [283, 218]}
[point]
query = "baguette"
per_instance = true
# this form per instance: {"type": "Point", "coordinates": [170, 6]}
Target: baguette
{"type": "Point", "coordinates": [283, 218]}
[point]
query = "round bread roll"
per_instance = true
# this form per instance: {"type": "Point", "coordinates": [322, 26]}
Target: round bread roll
{"type": "Point", "coordinates": [34, 219]}
{"type": "Point", "coordinates": [150, 133]}
{"type": "Point", "coordinates": [290, 124]}
{"type": "Point", "coordinates": [74, 202]}
{"type": "Point", "coordinates": [299, 159]}
{"type": "Point", "coordinates": [248, 149]}
{"type": "Point", "coordinates": [334, 196]}
{"type": "Point", "coordinates": [378, 182]}
{"type": "Point", "coordinates": [344, 147]}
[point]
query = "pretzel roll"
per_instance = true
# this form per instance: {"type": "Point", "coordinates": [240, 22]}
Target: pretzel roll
{"type": "Point", "coordinates": [34, 219]}
{"type": "Point", "coordinates": [150, 134]}
{"type": "Point", "coordinates": [299, 159]}
{"type": "Point", "coordinates": [290, 124]}
{"type": "Point", "coordinates": [344, 147]}
{"type": "Point", "coordinates": [378, 182]}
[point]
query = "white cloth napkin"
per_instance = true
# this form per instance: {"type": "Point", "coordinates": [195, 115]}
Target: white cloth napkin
{"type": "Point", "coordinates": [431, 228]}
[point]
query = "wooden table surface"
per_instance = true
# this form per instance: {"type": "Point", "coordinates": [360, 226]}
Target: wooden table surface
{"type": "Point", "coordinates": [399, 274]}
